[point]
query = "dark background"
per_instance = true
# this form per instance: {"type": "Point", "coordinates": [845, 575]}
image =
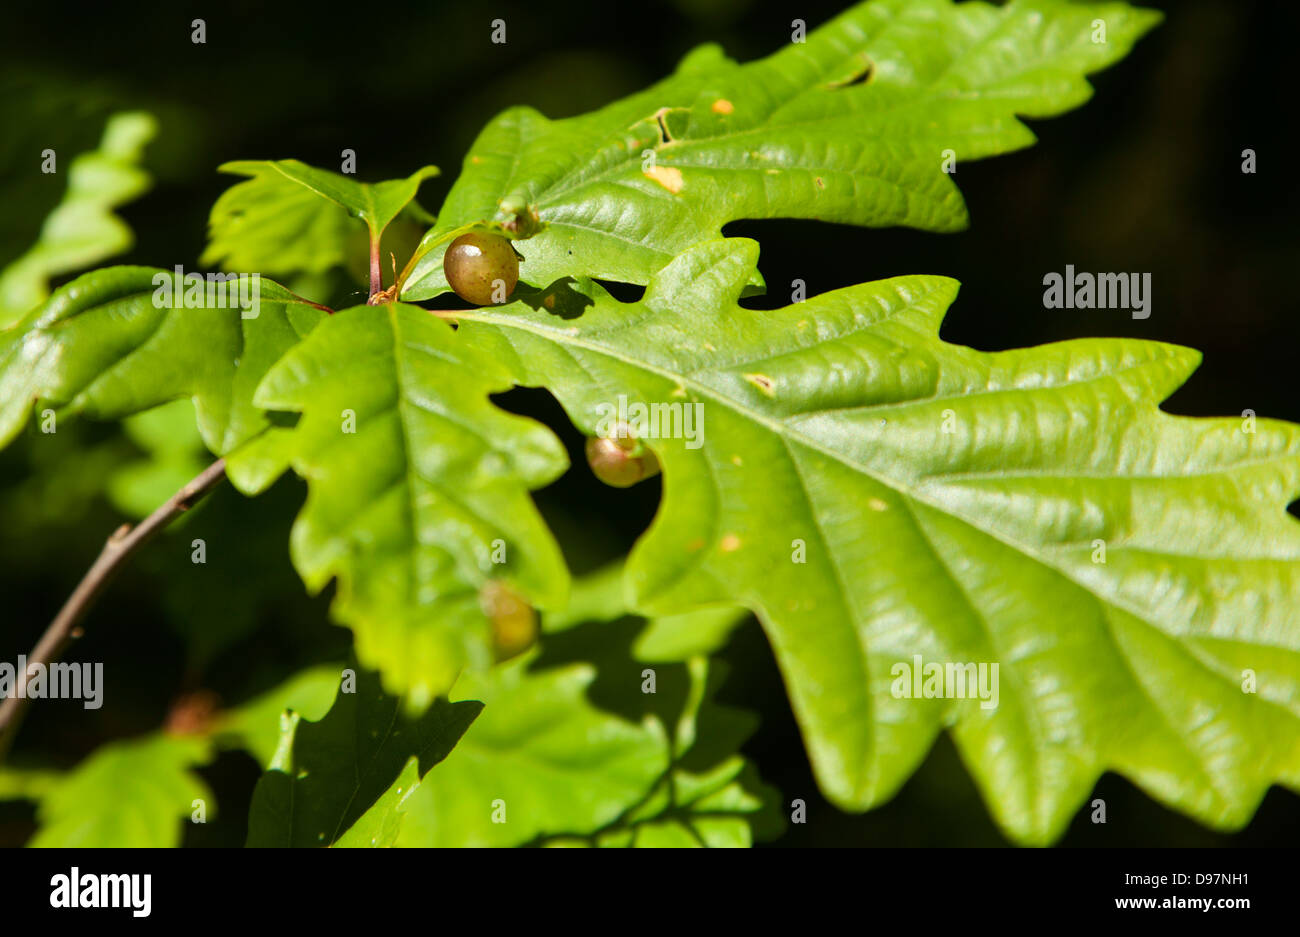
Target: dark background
{"type": "Point", "coordinates": [1146, 177]}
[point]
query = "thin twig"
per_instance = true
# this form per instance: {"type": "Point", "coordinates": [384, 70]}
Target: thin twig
{"type": "Point", "coordinates": [376, 271]}
{"type": "Point", "coordinates": [119, 547]}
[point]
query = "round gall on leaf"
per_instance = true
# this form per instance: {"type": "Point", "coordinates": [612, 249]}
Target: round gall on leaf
{"type": "Point", "coordinates": [621, 461]}
{"type": "Point", "coordinates": [513, 620]}
{"type": "Point", "coordinates": [482, 268]}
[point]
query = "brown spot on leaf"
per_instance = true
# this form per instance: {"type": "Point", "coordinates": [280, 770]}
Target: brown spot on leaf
{"type": "Point", "coordinates": [763, 383]}
{"type": "Point", "coordinates": [730, 543]}
{"type": "Point", "coordinates": [513, 621]}
{"type": "Point", "coordinates": [723, 106]}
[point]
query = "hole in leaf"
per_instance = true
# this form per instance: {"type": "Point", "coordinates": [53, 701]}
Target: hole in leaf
{"type": "Point", "coordinates": [623, 292]}
{"type": "Point", "coordinates": [562, 298]}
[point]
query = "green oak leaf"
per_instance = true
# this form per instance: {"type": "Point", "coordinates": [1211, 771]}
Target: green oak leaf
{"type": "Point", "coordinates": [127, 794]}
{"type": "Point", "coordinates": [874, 493]}
{"type": "Point", "coordinates": [596, 596]}
{"type": "Point", "coordinates": [173, 454]}
{"type": "Point", "coordinates": [718, 809]}
{"type": "Point", "coordinates": [379, 826]}
{"type": "Point", "coordinates": [695, 633]}
{"type": "Point", "coordinates": [82, 229]}
{"type": "Point", "coordinates": [101, 346]}
{"type": "Point", "coordinates": [600, 596]}
{"type": "Point", "coordinates": [255, 726]}
{"type": "Point", "coordinates": [26, 783]}
{"type": "Point", "coordinates": [328, 773]}
{"type": "Point", "coordinates": [853, 125]}
{"type": "Point", "coordinates": [542, 758]}
{"type": "Point", "coordinates": [412, 476]}
{"type": "Point", "coordinates": [273, 224]}
{"type": "Point", "coordinates": [136, 792]}
{"type": "Point", "coordinates": [250, 204]}
{"type": "Point", "coordinates": [571, 750]}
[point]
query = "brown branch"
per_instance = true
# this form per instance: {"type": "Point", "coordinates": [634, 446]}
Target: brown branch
{"type": "Point", "coordinates": [125, 541]}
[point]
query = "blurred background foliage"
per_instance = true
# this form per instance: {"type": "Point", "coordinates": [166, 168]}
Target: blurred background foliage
{"type": "Point", "coordinates": [1144, 178]}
